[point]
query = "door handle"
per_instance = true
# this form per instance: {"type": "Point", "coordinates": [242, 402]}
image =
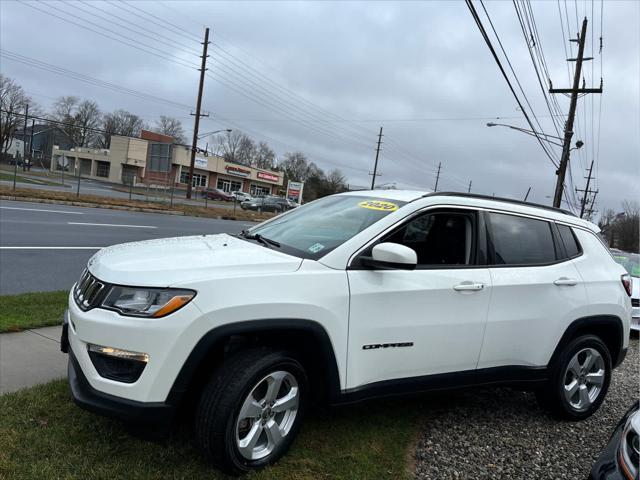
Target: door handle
{"type": "Point", "coordinates": [468, 287]}
{"type": "Point", "coordinates": [564, 281]}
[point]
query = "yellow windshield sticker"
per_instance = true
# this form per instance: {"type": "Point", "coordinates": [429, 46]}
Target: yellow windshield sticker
{"type": "Point", "coordinates": [378, 205]}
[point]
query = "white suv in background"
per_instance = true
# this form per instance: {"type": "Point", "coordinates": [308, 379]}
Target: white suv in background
{"type": "Point", "coordinates": [350, 297]}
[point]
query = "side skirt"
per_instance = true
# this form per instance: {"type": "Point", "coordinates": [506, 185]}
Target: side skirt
{"type": "Point", "coordinates": [513, 376]}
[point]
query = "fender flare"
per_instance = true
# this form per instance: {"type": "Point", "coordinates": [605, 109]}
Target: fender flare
{"type": "Point", "coordinates": [218, 335]}
{"type": "Point", "coordinates": [594, 321]}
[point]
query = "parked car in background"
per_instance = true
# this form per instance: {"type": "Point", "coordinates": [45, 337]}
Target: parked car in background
{"type": "Point", "coordinates": [241, 196]}
{"type": "Point", "coordinates": [631, 263]}
{"type": "Point", "coordinates": [217, 194]}
{"type": "Point", "coordinates": [619, 459]}
{"type": "Point", "coordinates": [285, 203]}
{"type": "Point", "coordinates": [264, 204]}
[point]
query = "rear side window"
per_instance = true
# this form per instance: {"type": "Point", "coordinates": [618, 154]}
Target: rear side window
{"type": "Point", "coordinates": [520, 240]}
{"type": "Point", "coordinates": [571, 244]}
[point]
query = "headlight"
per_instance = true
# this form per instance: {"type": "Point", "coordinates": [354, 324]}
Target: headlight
{"type": "Point", "coordinates": [629, 453]}
{"type": "Point", "coordinates": [146, 302]}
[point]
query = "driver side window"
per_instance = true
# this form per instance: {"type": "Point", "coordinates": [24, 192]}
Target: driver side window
{"type": "Point", "coordinates": [444, 238]}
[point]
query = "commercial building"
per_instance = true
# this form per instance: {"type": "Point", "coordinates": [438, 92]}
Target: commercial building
{"type": "Point", "coordinates": [154, 160]}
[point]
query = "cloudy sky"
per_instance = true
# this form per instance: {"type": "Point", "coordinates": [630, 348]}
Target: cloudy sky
{"type": "Point", "coordinates": [323, 77]}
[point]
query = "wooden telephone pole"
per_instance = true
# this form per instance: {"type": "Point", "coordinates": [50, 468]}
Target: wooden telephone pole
{"type": "Point", "coordinates": [586, 191]}
{"type": "Point", "coordinates": [435, 189]}
{"type": "Point", "coordinates": [568, 130]}
{"type": "Point", "coordinates": [194, 144]}
{"type": "Point", "coordinates": [375, 165]}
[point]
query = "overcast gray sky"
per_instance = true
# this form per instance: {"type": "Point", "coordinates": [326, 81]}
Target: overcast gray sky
{"type": "Point", "coordinates": [323, 77]}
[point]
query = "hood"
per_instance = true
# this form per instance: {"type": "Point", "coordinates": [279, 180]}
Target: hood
{"type": "Point", "coordinates": [170, 261]}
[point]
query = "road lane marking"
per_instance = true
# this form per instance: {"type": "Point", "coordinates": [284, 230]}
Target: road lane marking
{"type": "Point", "coordinates": [49, 248]}
{"type": "Point", "coordinates": [43, 210]}
{"type": "Point", "coordinates": [110, 225]}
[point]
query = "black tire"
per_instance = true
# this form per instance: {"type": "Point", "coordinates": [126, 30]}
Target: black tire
{"type": "Point", "coordinates": [552, 397]}
{"type": "Point", "coordinates": [222, 399]}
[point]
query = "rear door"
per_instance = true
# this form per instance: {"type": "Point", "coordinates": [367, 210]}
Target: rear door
{"type": "Point", "coordinates": [537, 291]}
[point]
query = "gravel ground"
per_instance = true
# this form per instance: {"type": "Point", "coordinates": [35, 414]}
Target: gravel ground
{"type": "Point", "coordinates": [503, 434]}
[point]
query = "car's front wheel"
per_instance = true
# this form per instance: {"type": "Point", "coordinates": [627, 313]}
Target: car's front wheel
{"type": "Point", "coordinates": [579, 379]}
{"type": "Point", "coordinates": [251, 410]}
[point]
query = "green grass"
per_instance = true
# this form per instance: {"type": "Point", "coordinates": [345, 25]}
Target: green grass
{"type": "Point", "coordinates": [21, 179]}
{"type": "Point", "coordinates": [31, 310]}
{"type": "Point", "coordinates": [44, 435]}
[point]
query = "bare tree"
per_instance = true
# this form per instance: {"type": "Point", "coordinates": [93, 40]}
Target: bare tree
{"type": "Point", "coordinates": [78, 119]}
{"type": "Point", "coordinates": [246, 150]}
{"type": "Point", "coordinates": [228, 145]}
{"type": "Point", "coordinates": [298, 168]}
{"type": "Point", "coordinates": [13, 101]}
{"type": "Point", "coordinates": [265, 157]}
{"type": "Point", "coordinates": [119, 122]}
{"type": "Point", "coordinates": [171, 126]}
{"type": "Point", "coordinates": [622, 230]}
{"type": "Point", "coordinates": [87, 118]}
{"type": "Point", "coordinates": [336, 182]}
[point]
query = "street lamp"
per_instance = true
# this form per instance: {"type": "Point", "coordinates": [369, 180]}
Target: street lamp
{"type": "Point", "coordinates": [228, 130]}
{"type": "Point", "coordinates": [579, 143]}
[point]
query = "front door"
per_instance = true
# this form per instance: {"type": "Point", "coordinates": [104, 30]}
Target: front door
{"type": "Point", "coordinates": [425, 321]}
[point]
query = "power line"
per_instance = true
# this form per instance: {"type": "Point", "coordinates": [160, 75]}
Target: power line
{"type": "Point", "coordinates": [485, 36]}
{"type": "Point", "coordinates": [88, 79]}
{"type": "Point", "coordinates": [545, 147]}
{"type": "Point", "coordinates": [154, 34]}
{"type": "Point", "coordinates": [149, 50]}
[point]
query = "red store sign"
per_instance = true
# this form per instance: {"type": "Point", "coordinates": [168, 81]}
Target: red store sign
{"type": "Point", "coordinates": [268, 176]}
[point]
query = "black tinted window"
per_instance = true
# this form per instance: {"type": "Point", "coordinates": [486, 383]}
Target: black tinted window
{"type": "Point", "coordinates": [520, 240]}
{"type": "Point", "coordinates": [569, 240]}
{"type": "Point", "coordinates": [438, 238]}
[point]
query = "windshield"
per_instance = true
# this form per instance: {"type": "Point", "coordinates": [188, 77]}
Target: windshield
{"type": "Point", "coordinates": [630, 262]}
{"type": "Point", "coordinates": [315, 229]}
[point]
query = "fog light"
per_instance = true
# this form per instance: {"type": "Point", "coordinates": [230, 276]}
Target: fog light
{"type": "Point", "coordinates": [116, 364]}
{"type": "Point", "coordinates": [116, 352]}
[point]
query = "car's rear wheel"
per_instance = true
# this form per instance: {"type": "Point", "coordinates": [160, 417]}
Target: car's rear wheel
{"type": "Point", "coordinates": [579, 379]}
{"type": "Point", "coordinates": [251, 410]}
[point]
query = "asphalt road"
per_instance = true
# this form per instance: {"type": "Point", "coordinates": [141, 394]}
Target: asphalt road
{"type": "Point", "coordinates": [45, 247]}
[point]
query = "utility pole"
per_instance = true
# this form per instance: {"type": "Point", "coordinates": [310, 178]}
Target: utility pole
{"type": "Point", "coordinates": [568, 130]}
{"type": "Point", "coordinates": [527, 195]}
{"type": "Point", "coordinates": [375, 165]}
{"type": "Point", "coordinates": [24, 139]}
{"type": "Point", "coordinates": [593, 202]}
{"type": "Point", "coordinates": [194, 144]}
{"type": "Point", "coordinates": [586, 191]}
{"type": "Point", "coordinates": [435, 189]}
{"type": "Point", "coordinates": [33, 126]}
{"type": "Point", "coordinates": [469, 190]}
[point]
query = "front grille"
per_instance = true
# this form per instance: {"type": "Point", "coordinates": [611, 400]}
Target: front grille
{"type": "Point", "coordinates": [635, 302]}
{"type": "Point", "coordinates": [89, 291]}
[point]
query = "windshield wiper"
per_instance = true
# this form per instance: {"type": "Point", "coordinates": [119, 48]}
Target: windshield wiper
{"type": "Point", "coordinates": [259, 238]}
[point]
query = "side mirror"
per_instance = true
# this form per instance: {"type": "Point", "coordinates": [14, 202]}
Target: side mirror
{"type": "Point", "coordinates": [391, 256]}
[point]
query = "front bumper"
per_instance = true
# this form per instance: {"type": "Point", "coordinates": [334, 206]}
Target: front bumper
{"type": "Point", "coordinates": [85, 396]}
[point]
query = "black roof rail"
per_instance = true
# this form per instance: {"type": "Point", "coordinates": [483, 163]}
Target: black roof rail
{"type": "Point", "coordinates": [501, 199]}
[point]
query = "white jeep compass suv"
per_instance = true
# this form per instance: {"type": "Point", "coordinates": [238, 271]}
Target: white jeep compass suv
{"type": "Point", "coordinates": [353, 296]}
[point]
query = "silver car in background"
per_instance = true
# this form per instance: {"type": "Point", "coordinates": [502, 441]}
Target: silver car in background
{"type": "Point", "coordinates": [631, 263]}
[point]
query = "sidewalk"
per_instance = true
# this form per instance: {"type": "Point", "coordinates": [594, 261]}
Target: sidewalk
{"type": "Point", "coordinates": [30, 357]}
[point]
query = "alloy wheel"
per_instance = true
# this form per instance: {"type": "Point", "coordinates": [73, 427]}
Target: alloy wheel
{"type": "Point", "coordinates": [267, 415]}
{"type": "Point", "coordinates": [584, 378]}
